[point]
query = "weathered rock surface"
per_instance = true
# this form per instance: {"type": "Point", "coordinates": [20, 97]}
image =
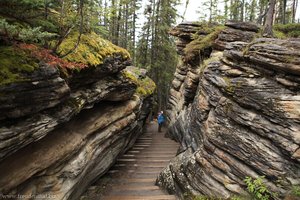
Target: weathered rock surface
{"type": "Point", "coordinates": [43, 88]}
{"type": "Point", "coordinates": [185, 32]}
{"type": "Point", "coordinates": [68, 159]}
{"type": "Point", "coordinates": [39, 125]}
{"type": "Point", "coordinates": [58, 135]}
{"type": "Point", "coordinates": [244, 119]}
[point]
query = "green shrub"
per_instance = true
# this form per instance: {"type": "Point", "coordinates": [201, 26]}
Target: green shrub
{"type": "Point", "coordinates": [289, 30]}
{"type": "Point", "coordinates": [296, 190]}
{"type": "Point", "coordinates": [258, 189]}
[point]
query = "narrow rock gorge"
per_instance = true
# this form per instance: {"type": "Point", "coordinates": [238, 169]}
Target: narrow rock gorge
{"type": "Point", "coordinates": [235, 109]}
{"type": "Point", "coordinates": [63, 128]}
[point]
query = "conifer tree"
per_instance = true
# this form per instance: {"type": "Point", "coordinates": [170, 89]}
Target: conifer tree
{"type": "Point", "coordinates": [156, 50]}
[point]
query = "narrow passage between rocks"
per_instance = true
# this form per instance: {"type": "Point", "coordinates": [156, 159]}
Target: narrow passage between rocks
{"type": "Point", "coordinates": [134, 174]}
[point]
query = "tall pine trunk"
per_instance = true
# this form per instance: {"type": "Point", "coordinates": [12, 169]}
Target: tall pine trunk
{"type": "Point", "coordinates": [242, 10]}
{"type": "Point", "coordinates": [252, 10]}
{"type": "Point", "coordinates": [283, 12]}
{"type": "Point", "coordinates": [268, 32]}
{"type": "Point", "coordinates": [294, 8]}
{"type": "Point", "coordinates": [117, 40]}
{"type": "Point", "coordinates": [113, 21]}
{"type": "Point", "coordinates": [133, 31]}
{"type": "Point", "coordinates": [105, 13]}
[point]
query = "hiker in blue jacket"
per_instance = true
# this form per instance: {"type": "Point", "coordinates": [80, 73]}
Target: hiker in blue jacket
{"type": "Point", "coordinates": [160, 120]}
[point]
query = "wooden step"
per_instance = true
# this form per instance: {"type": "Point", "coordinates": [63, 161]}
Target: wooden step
{"type": "Point", "coordinates": [136, 180]}
{"type": "Point", "coordinates": [143, 165]}
{"type": "Point", "coordinates": [146, 156]}
{"type": "Point", "coordinates": [157, 197]}
{"type": "Point", "coordinates": [136, 166]}
{"type": "Point", "coordinates": [122, 160]}
{"type": "Point", "coordinates": [137, 171]}
{"type": "Point", "coordinates": [136, 190]}
{"type": "Point", "coordinates": [148, 188]}
{"type": "Point", "coordinates": [134, 174]}
{"type": "Point", "coordinates": [170, 153]}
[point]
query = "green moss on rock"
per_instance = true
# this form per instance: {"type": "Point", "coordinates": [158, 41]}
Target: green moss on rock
{"type": "Point", "coordinates": [201, 42]}
{"type": "Point", "coordinates": [145, 85]}
{"type": "Point", "coordinates": [92, 49]}
{"type": "Point", "coordinates": [14, 63]}
{"type": "Point", "coordinates": [18, 60]}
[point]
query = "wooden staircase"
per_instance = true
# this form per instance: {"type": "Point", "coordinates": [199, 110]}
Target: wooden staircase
{"type": "Point", "coordinates": [134, 174]}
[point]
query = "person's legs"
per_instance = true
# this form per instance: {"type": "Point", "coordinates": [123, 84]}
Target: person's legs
{"type": "Point", "coordinates": [159, 127]}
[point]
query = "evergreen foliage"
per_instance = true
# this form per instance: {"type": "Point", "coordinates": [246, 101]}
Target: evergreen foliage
{"type": "Point", "coordinates": [156, 49]}
{"type": "Point", "coordinates": [25, 34]}
{"type": "Point", "coordinates": [247, 10]}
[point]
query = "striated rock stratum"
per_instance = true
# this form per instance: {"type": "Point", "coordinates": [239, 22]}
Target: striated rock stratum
{"type": "Point", "coordinates": [235, 109]}
{"type": "Point", "coordinates": [64, 122]}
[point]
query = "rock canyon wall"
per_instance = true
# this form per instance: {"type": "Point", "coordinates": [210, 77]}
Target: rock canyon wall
{"type": "Point", "coordinates": [235, 109]}
{"type": "Point", "coordinates": [62, 129]}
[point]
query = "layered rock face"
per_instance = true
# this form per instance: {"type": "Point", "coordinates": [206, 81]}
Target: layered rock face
{"type": "Point", "coordinates": [59, 134]}
{"type": "Point", "coordinates": [244, 117]}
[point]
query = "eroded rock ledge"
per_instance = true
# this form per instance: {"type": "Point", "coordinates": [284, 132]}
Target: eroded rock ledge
{"type": "Point", "coordinates": [60, 133]}
{"type": "Point", "coordinates": [244, 117]}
